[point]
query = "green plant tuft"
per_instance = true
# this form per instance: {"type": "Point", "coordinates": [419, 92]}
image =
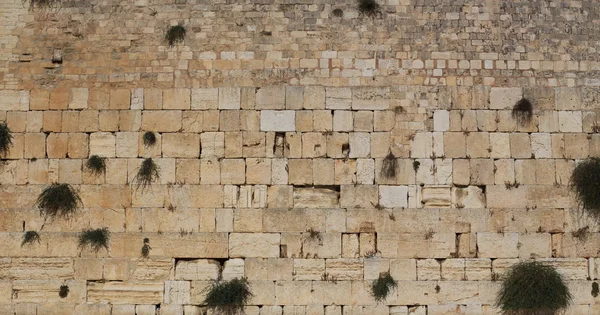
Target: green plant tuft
{"type": "Point", "coordinates": [58, 200]}
{"type": "Point", "coordinates": [175, 34]}
{"type": "Point", "coordinates": [30, 237]}
{"type": "Point", "coordinates": [383, 286]}
{"type": "Point", "coordinates": [228, 297]}
{"type": "Point", "coordinates": [388, 166]}
{"type": "Point", "coordinates": [5, 139]}
{"type": "Point", "coordinates": [147, 174]}
{"type": "Point", "coordinates": [149, 139]}
{"type": "Point", "coordinates": [96, 165]}
{"type": "Point", "coordinates": [64, 291]}
{"type": "Point", "coordinates": [95, 239]}
{"type": "Point", "coordinates": [522, 112]}
{"type": "Point", "coordinates": [533, 288]}
{"type": "Point", "coordinates": [585, 182]}
{"type": "Point", "coordinates": [595, 289]}
{"type": "Point", "coordinates": [42, 3]}
{"type": "Point", "coordinates": [146, 248]}
{"type": "Point", "coordinates": [337, 13]}
{"type": "Point", "coordinates": [369, 8]}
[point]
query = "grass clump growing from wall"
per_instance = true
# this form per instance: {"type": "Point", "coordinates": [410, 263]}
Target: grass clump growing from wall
{"type": "Point", "coordinates": [532, 288]}
{"type": "Point", "coordinates": [175, 34]}
{"type": "Point", "coordinates": [30, 237]}
{"type": "Point", "coordinates": [5, 139]}
{"type": "Point", "coordinates": [522, 112]}
{"type": "Point", "coordinates": [146, 248]}
{"type": "Point", "coordinates": [96, 165]}
{"type": "Point", "coordinates": [149, 139]}
{"type": "Point", "coordinates": [58, 200]}
{"type": "Point", "coordinates": [147, 174]}
{"type": "Point", "coordinates": [337, 13]}
{"type": "Point", "coordinates": [383, 286]}
{"type": "Point", "coordinates": [228, 297]}
{"type": "Point", "coordinates": [388, 166]}
{"type": "Point", "coordinates": [369, 8]}
{"type": "Point", "coordinates": [63, 292]}
{"type": "Point", "coordinates": [585, 182]}
{"type": "Point", "coordinates": [96, 239]}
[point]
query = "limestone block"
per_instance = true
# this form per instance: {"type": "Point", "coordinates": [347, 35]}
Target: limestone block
{"type": "Point", "coordinates": [108, 120]}
{"type": "Point", "coordinates": [453, 269]}
{"type": "Point", "coordinates": [198, 269]}
{"type": "Point", "coordinates": [120, 99]}
{"type": "Point", "coordinates": [441, 120]}
{"type": "Point", "coordinates": [270, 97]}
{"type": "Point", "coordinates": [293, 292]}
{"type": "Point", "coordinates": [393, 196]}
{"type": "Point", "coordinates": [125, 293]}
{"type": "Point", "coordinates": [314, 97]}
{"type": "Point", "coordinates": [57, 145]}
{"type": "Point", "coordinates": [229, 120]}
{"type": "Point", "coordinates": [314, 145]}
{"type": "Point", "coordinates": [428, 269]}
{"type": "Point", "coordinates": [294, 97]}
{"type": "Point", "coordinates": [548, 121]}
{"type": "Point", "coordinates": [422, 145]}
{"type": "Point", "coordinates": [422, 292]}
{"type": "Point", "coordinates": [338, 145]}
{"type": "Point", "coordinates": [403, 269]}
{"type": "Point", "coordinates": [478, 145]}
{"type": "Point", "coordinates": [478, 269]}
{"type": "Point", "coordinates": [304, 120]}
{"type": "Point", "coordinates": [181, 145]}
{"type": "Point", "coordinates": [308, 269]}
{"type": "Point", "coordinates": [39, 269]}
{"type": "Point", "coordinates": [229, 98]}
{"type": "Point", "coordinates": [46, 291]}
{"type": "Point", "coordinates": [323, 171]}
{"type": "Point", "coordinates": [154, 269]}
{"type": "Point", "coordinates": [254, 144]}
{"type": "Point", "coordinates": [482, 172]}
{"type": "Point", "coordinates": [504, 98]}
{"type": "Point", "coordinates": [103, 144]}
{"type": "Point", "coordinates": [469, 121]}
{"type": "Point", "coordinates": [207, 98]}
{"type": "Point", "coordinates": [365, 171]}
{"type": "Point", "coordinates": [362, 196]}
{"type": "Point", "coordinates": [38, 99]}
{"type": "Point", "coordinates": [78, 98]}
{"type": "Point", "coordinates": [254, 245]}
{"type": "Point", "coordinates": [298, 174]}
{"type": "Point", "coordinates": [360, 144]}
{"type": "Point", "coordinates": [363, 121]}
{"type": "Point", "coordinates": [568, 98]}
{"type": "Point", "coordinates": [345, 171]}
{"type": "Point", "coordinates": [271, 120]}
{"type": "Point", "coordinates": [384, 120]}
{"type": "Point", "coordinates": [535, 245]}
{"type": "Point", "coordinates": [380, 142]}
{"type": "Point", "coordinates": [436, 197]}
{"type": "Point", "coordinates": [338, 98]}
{"type": "Point", "coordinates": [505, 171]}
{"type": "Point", "coordinates": [469, 197]}
{"type": "Point", "coordinates": [497, 245]}
{"type": "Point", "coordinates": [211, 120]}
{"type": "Point", "coordinates": [370, 98]}
{"type": "Point", "coordinates": [345, 268]}
{"type": "Point", "coordinates": [177, 292]}
{"type": "Point", "coordinates": [576, 146]}
{"type": "Point", "coordinates": [455, 144]}
{"type": "Point", "coordinates": [176, 99]}
{"type": "Point", "coordinates": [350, 246]}
{"type": "Point", "coordinates": [308, 197]}
{"type": "Point", "coordinates": [233, 268]}
{"type": "Point", "coordinates": [14, 100]}
{"type": "Point", "coordinates": [162, 121]}
{"type": "Point", "coordinates": [212, 144]}
{"type": "Point", "coordinates": [325, 292]}
{"type": "Point", "coordinates": [343, 120]}
{"type": "Point", "coordinates": [570, 121]}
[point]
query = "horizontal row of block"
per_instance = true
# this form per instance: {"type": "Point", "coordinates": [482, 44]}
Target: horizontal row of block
{"type": "Point", "coordinates": [271, 292]}
{"type": "Point", "coordinates": [439, 245]}
{"type": "Point", "coordinates": [306, 145]}
{"type": "Point", "coordinates": [177, 195]}
{"type": "Point", "coordinates": [290, 97]}
{"type": "Point", "coordinates": [299, 172]}
{"type": "Point", "coordinates": [297, 221]}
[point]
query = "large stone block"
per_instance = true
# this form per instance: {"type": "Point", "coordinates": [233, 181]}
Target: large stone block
{"type": "Point", "coordinates": [254, 245]}
{"type": "Point", "coordinates": [125, 293]}
{"type": "Point", "coordinates": [497, 245]}
{"type": "Point", "coordinates": [14, 100]}
{"type": "Point", "coordinates": [284, 120]}
{"type": "Point", "coordinates": [504, 98]}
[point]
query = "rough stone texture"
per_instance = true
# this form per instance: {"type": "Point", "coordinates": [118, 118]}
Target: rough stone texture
{"type": "Point", "coordinates": [309, 171]}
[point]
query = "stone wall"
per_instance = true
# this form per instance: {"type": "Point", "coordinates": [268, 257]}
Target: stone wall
{"type": "Point", "coordinates": [274, 121]}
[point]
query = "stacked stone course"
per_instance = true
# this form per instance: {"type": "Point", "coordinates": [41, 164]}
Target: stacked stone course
{"type": "Point", "coordinates": [271, 149]}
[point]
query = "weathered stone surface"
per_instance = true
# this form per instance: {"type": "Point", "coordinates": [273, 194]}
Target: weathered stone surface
{"type": "Point", "coordinates": [254, 245]}
{"type": "Point", "coordinates": [125, 293]}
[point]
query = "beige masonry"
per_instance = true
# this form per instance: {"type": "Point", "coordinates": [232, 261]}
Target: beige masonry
{"type": "Point", "coordinates": [306, 152]}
